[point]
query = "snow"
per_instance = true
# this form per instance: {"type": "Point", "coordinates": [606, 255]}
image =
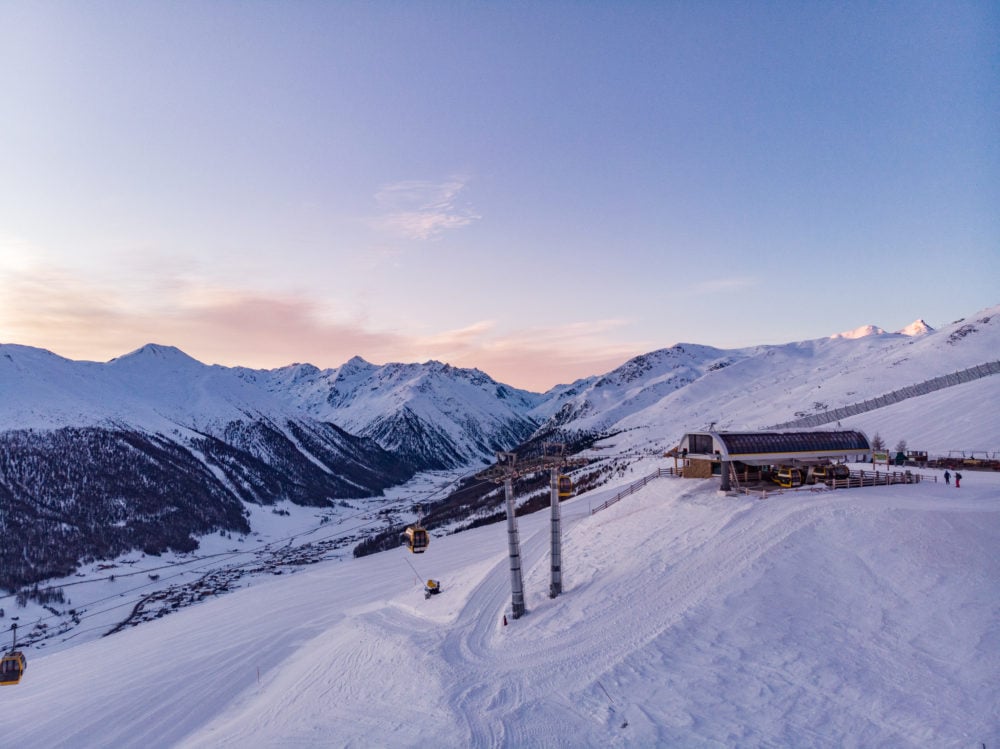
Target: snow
{"type": "Point", "coordinates": [862, 332]}
{"type": "Point", "coordinates": [864, 617]}
{"type": "Point", "coordinates": [156, 388]}
{"type": "Point", "coordinates": [815, 618]}
{"type": "Point", "coordinates": [686, 387]}
{"type": "Point", "coordinates": [916, 328]}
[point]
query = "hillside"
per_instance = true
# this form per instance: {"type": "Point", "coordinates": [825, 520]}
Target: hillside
{"type": "Point", "coordinates": [154, 450]}
{"type": "Point", "coordinates": [150, 452]}
{"type": "Point", "coordinates": [690, 386]}
{"type": "Point", "coordinates": [863, 617]}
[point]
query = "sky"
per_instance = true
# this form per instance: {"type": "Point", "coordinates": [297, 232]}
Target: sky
{"type": "Point", "coordinates": [539, 190]}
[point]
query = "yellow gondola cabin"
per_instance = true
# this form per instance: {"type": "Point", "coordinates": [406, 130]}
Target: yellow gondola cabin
{"type": "Point", "coordinates": [417, 539]}
{"type": "Point", "coordinates": [13, 663]}
{"type": "Point", "coordinates": [565, 487]}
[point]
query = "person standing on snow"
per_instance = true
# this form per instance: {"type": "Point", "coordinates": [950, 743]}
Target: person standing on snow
{"type": "Point", "coordinates": [958, 479]}
{"type": "Point", "coordinates": [947, 477]}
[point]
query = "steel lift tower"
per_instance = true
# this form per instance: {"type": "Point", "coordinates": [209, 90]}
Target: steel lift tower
{"type": "Point", "coordinates": [555, 586]}
{"type": "Point", "coordinates": [505, 471]}
{"type": "Point", "coordinates": [557, 462]}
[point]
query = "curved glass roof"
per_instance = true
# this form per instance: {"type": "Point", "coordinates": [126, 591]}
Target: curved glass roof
{"type": "Point", "coordinates": [758, 443]}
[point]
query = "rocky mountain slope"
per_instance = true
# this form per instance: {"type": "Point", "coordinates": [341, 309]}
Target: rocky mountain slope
{"type": "Point", "coordinates": [434, 415]}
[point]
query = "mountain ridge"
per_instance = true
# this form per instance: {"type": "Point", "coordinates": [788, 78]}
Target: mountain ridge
{"type": "Point", "coordinates": [916, 328]}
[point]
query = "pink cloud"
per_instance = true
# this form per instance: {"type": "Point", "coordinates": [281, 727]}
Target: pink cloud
{"type": "Point", "coordinates": [74, 319]}
{"type": "Point", "coordinates": [234, 327]}
{"type": "Point", "coordinates": [535, 358]}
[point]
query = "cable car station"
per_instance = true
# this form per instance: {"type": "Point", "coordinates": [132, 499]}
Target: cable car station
{"type": "Point", "coordinates": [788, 458]}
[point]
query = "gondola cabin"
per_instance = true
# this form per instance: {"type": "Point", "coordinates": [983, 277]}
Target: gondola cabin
{"type": "Point", "coordinates": [13, 663]}
{"type": "Point", "coordinates": [12, 667]}
{"type": "Point", "coordinates": [565, 487]}
{"type": "Point", "coordinates": [787, 477]}
{"type": "Point", "coordinates": [417, 539]}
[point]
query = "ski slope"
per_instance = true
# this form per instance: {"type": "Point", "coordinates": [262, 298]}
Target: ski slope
{"type": "Point", "coordinates": [867, 617]}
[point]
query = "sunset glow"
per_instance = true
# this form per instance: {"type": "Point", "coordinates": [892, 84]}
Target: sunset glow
{"type": "Point", "coordinates": [538, 190]}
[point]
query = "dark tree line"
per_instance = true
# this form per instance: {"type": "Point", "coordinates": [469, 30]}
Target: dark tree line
{"type": "Point", "coordinates": [74, 495]}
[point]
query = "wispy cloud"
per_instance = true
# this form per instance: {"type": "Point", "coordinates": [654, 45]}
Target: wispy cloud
{"type": "Point", "coordinates": [424, 210]}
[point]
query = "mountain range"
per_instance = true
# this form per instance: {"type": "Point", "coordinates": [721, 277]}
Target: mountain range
{"type": "Point", "coordinates": [155, 449]}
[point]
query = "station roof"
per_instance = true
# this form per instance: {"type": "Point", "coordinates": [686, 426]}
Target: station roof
{"type": "Point", "coordinates": [763, 448]}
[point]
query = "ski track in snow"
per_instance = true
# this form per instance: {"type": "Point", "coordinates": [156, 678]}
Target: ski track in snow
{"type": "Point", "coordinates": [561, 656]}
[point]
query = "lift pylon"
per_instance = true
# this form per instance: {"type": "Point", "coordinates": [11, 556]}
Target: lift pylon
{"type": "Point", "coordinates": [505, 471]}
{"type": "Point", "coordinates": [555, 585]}
{"type": "Point", "coordinates": [507, 463]}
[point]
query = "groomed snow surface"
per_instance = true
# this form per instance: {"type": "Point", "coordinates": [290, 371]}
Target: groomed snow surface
{"type": "Point", "coordinates": [859, 618]}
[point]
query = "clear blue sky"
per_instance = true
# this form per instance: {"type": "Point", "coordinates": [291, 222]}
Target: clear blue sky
{"type": "Point", "coordinates": [538, 189]}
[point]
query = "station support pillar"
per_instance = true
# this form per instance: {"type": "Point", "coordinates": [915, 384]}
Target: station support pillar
{"type": "Point", "coordinates": [725, 470]}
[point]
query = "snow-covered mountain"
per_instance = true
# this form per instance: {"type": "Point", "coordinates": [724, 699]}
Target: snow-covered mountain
{"type": "Point", "coordinates": [915, 328]}
{"type": "Point", "coordinates": [150, 451]}
{"type": "Point", "coordinates": [598, 403]}
{"type": "Point", "coordinates": [154, 449]}
{"type": "Point", "coordinates": [862, 332]}
{"type": "Point", "coordinates": [692, 387]}
{"type": "Point", "coordinates": [436, 415]}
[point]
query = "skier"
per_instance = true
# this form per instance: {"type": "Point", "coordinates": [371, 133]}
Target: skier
{"type": "Point", "coordinates": [947, 477]}
{"type": "Point", "coordinates": [958, 479]}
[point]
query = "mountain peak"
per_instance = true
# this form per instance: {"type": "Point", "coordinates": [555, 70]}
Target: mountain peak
{"type": "Point", "coordinates": [357, 362]}
{"type": "Point", "coordinates": [915, 328]}
{"type": "Point", "coordinates": [863, 332]}
{"type": "Point", "coordinates": [157, 350]}
{"type": "Point", "coordinates": [155, 358]}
